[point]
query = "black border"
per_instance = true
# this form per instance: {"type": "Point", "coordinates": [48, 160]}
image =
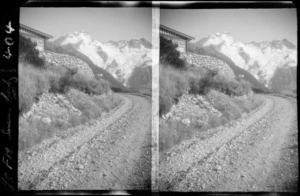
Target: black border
{"type": "Point", "coordinates": [9, 70]}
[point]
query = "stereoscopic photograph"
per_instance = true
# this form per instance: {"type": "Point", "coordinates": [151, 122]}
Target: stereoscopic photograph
{"type": "Point", "coordinates": [149, 97]}
{"type": "Point", "coordinates": [85, 98]}
{"type": "Point", "coordinates": [228, 100]}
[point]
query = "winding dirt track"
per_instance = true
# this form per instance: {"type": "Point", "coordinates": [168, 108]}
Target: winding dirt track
{"type": "Point", "coordinates": [259, 152]}
{"type": "Point", "coordinates": [112, 153]}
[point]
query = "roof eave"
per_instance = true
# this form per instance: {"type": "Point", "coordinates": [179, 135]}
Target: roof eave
{"type": "Point", "coordinates": [44, 35]}
{"type": "Point", "coordinates": [187, 37]}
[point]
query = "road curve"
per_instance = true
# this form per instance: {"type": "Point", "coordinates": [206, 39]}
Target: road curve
{"type": "Point", "coordinates": [111, 153]}
{"type": "Point", "coordinates": [258, 152]}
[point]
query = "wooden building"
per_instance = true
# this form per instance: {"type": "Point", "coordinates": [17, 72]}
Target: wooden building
{"type": "Point", "coordinates": [176, 37]}
{"type": "Point", "coordinates": [35, 36]}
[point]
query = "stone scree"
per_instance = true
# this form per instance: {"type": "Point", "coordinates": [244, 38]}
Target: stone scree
{"type": "Point", "coordinates": [209, 63]}
{"type": "Point", "coordinates": [191, 108]}
{"type": "Point", "coordinates": [50, 107]}
{"type": "Point", "coordinates": [68, 61]}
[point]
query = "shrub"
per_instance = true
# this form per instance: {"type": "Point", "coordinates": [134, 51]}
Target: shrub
{"type": "Point", "coordinates": [28, 53]}
{"type": "Point", "coordinates": [71, 79]}
{"type": "Point", "coordinates": [200, 84]}
{"type": "Point", "coordinates": [225, 105]}
{"type": "Point", "coordinates": [229, 86]}
{"type": "Point", "coordinates": [169, 55]}
{"type": "Point", "coordinates": [92, 107]}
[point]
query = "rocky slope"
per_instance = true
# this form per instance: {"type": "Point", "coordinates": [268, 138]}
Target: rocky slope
{"type": "Point", "coordinates": [68, 62]}
{"type": "Point", "coordinates": [255, 153]}
{"type": "Point", "coordinates": [118, 58]}
{"type": "Point", "coordinates": [209, 63]}
{"type": "Point", "coordinates": [191, 108]}
{"type": "Point", "coordinates": [266, 61]}
{"type": "Point", "coordinates": [51, 108]}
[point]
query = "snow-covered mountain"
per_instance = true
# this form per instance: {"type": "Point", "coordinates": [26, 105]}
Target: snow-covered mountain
{"type": "Point", "coordinates": [120, 58]}
{"type": "Point", "coordinates": [272, 63]}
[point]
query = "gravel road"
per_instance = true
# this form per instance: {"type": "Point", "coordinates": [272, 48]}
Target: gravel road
{"type": "Point", "coordinates": [111, 153]}
{"type": "Point", "coordinates": [258, 152]}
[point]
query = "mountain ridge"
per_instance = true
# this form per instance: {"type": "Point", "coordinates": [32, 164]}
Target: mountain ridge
{"type": "Point", "coordinates": [238, 72]}
{"type": "Point", "coordinates": [261, 59]}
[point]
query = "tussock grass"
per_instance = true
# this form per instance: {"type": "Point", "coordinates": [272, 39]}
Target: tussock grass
{"type": "Point", "coordinates": [92, 107]}
{"type": "Point", "coordinates": [33, 82]}
{"type": "Point", "coordinates": [173, 132]}
{"type": "Point", "coordinates": [225, 105]}
{"type": "Point", "coordinates": [172, 84]}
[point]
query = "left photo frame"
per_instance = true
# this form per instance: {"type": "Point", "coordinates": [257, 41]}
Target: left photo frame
{"type": "Point", "coordinates": [83, 87]}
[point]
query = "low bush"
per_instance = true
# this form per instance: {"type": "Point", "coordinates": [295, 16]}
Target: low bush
{"type": "Point", "coordinates": [85, 104]}
{"type": "Point", "coordinates": [225, 105]}
{"type": "Point", "coordinates": [213, 80]}
{"type": "Point", "coordinates": [92, 107]}
{"type": "Point", "coordinates": [71, 79]}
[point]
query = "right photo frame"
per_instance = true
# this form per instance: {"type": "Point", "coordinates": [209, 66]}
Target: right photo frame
{"type": "Point", "coordinates": [228, 100]}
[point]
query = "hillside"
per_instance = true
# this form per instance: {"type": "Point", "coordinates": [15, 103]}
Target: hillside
{"type": "Point", "coordinates": [267, 61]}
{"type": "Point", "coordinates": [57, 92]}
{"type": "Point", "coordinates": [238, 72]}
{"type": "Point", "coordinates": [118, 58]}
{"type": "Point", "coordinates": [198, 92]}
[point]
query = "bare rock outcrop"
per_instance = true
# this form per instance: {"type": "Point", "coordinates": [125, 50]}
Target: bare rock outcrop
{"type": "Point", "coordinates": [68, 61]}
{"type": "Point", "coordinates": [208, 62]}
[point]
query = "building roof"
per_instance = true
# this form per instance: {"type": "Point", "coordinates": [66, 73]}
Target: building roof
{"type": "Point", "coordinates": [44, 35]}
{"type": "Point", "coordinates": [184, 36]}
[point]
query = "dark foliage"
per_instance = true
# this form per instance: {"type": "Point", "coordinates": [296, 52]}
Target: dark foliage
{"type": "Point", "coordinates": [71, 80]}
{"type": "Point", "coordinates": [169, 55]}
{"type": "Point", "coordinates": [28, 53]}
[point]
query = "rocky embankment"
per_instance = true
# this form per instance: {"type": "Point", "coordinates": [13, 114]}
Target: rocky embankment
{"type": "Point", "coordinates": [196, 60]}
{"type": "Point", "coordinates": [68, 61]}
